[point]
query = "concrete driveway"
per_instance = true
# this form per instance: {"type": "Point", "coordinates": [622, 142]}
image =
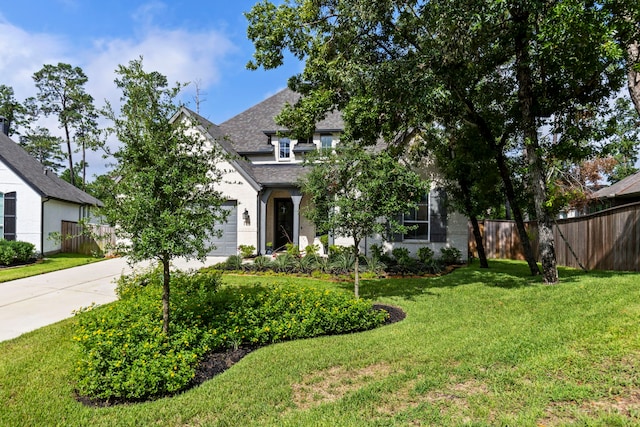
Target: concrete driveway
{"type": "Point", "coordinates": [34, 302]}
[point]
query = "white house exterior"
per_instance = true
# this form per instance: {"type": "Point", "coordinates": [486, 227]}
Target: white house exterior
{"type": "Point", "coordinates": [264, 197]}
{"type": "Point", "coordinates": [34, 201]}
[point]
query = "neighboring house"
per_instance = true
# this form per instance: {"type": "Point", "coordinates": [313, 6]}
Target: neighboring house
{"type": "Point", "coordinates": [35, 201]}
{"type": "Point", "coordinates": [263, 193]}
{"type": "Point", "coordinates": [621, 193]}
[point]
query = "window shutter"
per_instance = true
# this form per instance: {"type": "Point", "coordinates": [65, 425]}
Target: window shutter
{"type": "Point", "coordinates": [438, 215]}
{"type": "Point", "coordinates": [10, 216]}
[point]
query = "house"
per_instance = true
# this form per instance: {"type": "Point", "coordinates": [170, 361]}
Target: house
{"type": "Point", "coordinates": [264, 196]}
{"type": "Point", "coordinates": [623, 192]}
{"type": "Point", "coordinates": [34, 201]}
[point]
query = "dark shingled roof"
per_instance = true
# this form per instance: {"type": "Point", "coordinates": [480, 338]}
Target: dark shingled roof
{"type": "Point", "coordinates": [33, 173]}
{"type": "Point", "coordinates": [279, 175]}
{"type": "Point", "coordinates": [246, 131]}
{"type": "Point", "coordinates": [627, 187]}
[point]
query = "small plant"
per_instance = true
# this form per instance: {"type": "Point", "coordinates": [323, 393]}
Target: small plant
{"type": "Point", "coordinates": [400, 253]}
{"type": "Point", "coordinates": [451, 256]}
{"type": "Point", "coordinates": [293, 250]}
{"type": "Point", "coordinates": [311, 250]}
{"type": "Point", "coordinates": [342, 263]}
{"type": "Point", "coordinates": [234, 262]}
{"type": "Point", "coordinates": [246, 251]}
{"type": "Point", "coordinates": [262, 263]}
{"type": "Point", "coordinates": [425, 254]}
{"type": "Point", "coordinates": [324, 240]}
{"type": "Point", "coordinates": [269, 248]}
{"type": "Point", "coordinates": [374, 265]}
{"type": "Point", "coordinates": [284, 263]}
{"type": "Point", "coordinates": [376, 251]}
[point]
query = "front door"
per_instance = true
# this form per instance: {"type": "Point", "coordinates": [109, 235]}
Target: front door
{"type": "Point", "coordinates": [284, 223]}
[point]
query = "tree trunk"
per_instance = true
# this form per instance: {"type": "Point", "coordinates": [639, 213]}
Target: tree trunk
{"type": "Point", "coordinates": [530, 132]}
{"type": "Point", "coordinates": [356, 285]}
{"type": "Point", "coordinates": [166, 274]}
{"type": "Point", "coordinates": [633, 75]}
{"type": "Point", "coordinates": [68, 137]}
{"type": "Point", "coordinates": [482, 256]}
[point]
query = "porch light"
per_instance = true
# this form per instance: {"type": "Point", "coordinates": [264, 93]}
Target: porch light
{"type": "Point", "coordinates": [246, 217]}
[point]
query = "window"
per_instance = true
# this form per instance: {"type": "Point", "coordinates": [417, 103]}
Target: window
{"type": "Point", "coordinates": [8, 215]}
{"type": "Point", "coordinates": [2, 215]}
{"type": "Point", "coordinates": [284, 149]}
{"type": "Point", "coordinates": [419, 219]}
{"type": "Point", "coordinates": [326, 142]}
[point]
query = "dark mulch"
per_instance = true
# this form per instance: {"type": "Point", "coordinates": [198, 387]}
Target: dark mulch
{"type": "Point", "coordinates": [218, 362]}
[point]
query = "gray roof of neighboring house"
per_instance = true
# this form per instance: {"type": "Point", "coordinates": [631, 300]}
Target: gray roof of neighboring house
{"type": "Point", "coordinates": [246, 131]}
{"type": "Point", "coordinates": [627, 187]}
{"type": "Point", "coordinates": [33, 173]}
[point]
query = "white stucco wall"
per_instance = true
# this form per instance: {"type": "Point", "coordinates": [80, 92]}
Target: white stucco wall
{"type": "Point", "coordinates": [56, 211]}
{"type": "Point", "coordinates": [28, 206]}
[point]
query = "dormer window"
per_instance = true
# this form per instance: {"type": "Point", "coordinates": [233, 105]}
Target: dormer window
{"type": "Point", "coordinates": [284, 149]}
{"type": "Point", "coordinates": [326, 143]}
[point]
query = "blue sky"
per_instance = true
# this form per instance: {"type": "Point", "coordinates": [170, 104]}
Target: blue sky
{"type": "Point", "coordinates": [187, 41]}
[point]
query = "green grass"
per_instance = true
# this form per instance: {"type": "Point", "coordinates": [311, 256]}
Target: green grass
{"type": "Point", "coordinates": [477, 348]}
{"type": "Point", "coordinates": [47, 265]}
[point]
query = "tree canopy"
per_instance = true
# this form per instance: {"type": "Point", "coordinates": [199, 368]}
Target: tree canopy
{"type": "Point", "coordinates": [508, 68]}
{"type": "Point", "coordinates": [357, 193]}
{"type": "Point", "coordinates": [163, 198]}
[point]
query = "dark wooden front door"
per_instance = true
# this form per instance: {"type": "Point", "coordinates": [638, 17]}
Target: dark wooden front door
{"type": "Point", "coordinates": [284, 223]}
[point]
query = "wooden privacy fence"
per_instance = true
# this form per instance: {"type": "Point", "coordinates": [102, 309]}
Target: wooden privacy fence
{"type": "Point", "coordinates": [606, 240]}
{"type": "Point", "coordinates": [90, 240]}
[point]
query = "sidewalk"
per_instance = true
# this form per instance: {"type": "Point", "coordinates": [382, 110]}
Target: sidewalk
{"type": "Point", "coordinates": [37, 301]}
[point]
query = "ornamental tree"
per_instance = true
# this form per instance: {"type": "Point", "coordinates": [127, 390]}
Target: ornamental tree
{"type": "Point", "coordinates": [163, 201]}
{"type": "Point", "coordinates": [357, 193]}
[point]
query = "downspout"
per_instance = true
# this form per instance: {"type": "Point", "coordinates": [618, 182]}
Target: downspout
{"type": "Point", "coordinates": [258, 222]}
{"type": "Point", "coordinates": [46, 199]}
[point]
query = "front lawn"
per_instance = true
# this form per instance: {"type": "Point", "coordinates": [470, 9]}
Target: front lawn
{"type": "Point", "coordinates": [46, 265]}
{"type": "Point", "coordinates": [477, 348]}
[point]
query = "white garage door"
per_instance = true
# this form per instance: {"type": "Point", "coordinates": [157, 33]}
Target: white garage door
{"type": "Point", "coordinates": [227, 244]}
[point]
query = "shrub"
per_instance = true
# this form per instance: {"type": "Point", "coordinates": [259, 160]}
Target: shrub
{"type": "Point", "coordinates": [376, 251]}
{"type": "Point", "coordinates": [124, 354]}
{"type": "Point", "coordinates": [292, 249]}
{"type": "Point", "coordinates": [342, 263]}
{"type": "Point", "coordinates": [311, 250]}
{"type": "Point", "coordinates": [400, 253]}
{"type": "Point", "coordinates": [308, 263]}
{"type": "Point", "coordinates": [246, 251]}
{"type": "Point", "coordinates": [451, 256]}
{"type": "Point", "coordinates": [12, 251]}
{"type": "Point", "coordinates": [425, 254]}
{"type": "Point", "coordinates": [262, 263]}
{"type": "Point", "coordinates": [234, 262]}
{"type": "Point", "coordinates": [284, 263]}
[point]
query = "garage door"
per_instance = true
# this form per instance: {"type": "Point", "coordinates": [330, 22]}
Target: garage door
{"type": "Point", "coordinates": [227, 244]}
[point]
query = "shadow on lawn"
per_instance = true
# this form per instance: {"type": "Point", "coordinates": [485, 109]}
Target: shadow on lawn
{"type": "Point", "coordinates": [501, 274]}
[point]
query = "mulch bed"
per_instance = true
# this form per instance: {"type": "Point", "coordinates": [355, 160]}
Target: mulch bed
{"type": "Point", "coordinates": [218, 362]}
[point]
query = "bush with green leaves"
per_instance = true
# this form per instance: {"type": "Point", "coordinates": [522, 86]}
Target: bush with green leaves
{"type": "Point", "coordinates": [234, 262]}
{"type": "Point", "coordinates": [246, 251]}
{"type": "Point", "coordinates": [425, 254]}
{"type": "Point", "coordinates": [124, 355]}
{"type": "Point", "coordinates": [262, 263]}
{"type": "Point", "coordinates": [451, 256]}
{"type": "Point", "coordinates": [123, 352]}
{"type": "Point", "coordinates": [12, 251]}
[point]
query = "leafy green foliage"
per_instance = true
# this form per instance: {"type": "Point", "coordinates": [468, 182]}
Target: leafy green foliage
{"type": "Point", "coordinates": [352, 189]}
{"type": "Point", "coordinates": [451, 255]}
{"type": "Point", "coordinates": [166, 205]}
{"type": "Point", "coordinates": [246, 251]}
{"type": "Point", "coordinates": [12, 252]}
{"type": "Point", "coordinates": [123, 353]}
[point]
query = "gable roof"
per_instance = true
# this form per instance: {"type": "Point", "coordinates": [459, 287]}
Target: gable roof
{"type": "Point", "coordinates": [627, 187]}
{"type": "Point", "coordinates": [246, 131]}
{"type": "Point", "coordinates": [32, 172]}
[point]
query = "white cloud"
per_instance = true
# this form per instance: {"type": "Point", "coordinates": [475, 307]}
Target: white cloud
{"type": "Point", "coordinates": [181, 55]}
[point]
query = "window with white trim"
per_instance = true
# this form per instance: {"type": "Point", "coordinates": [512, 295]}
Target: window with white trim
{"type": "Point", "coordinates": [284, 149]}
{"type": "Point", "coordinates": [326, 142]}
{"type": "Point", "coordinates": [418, 218]}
